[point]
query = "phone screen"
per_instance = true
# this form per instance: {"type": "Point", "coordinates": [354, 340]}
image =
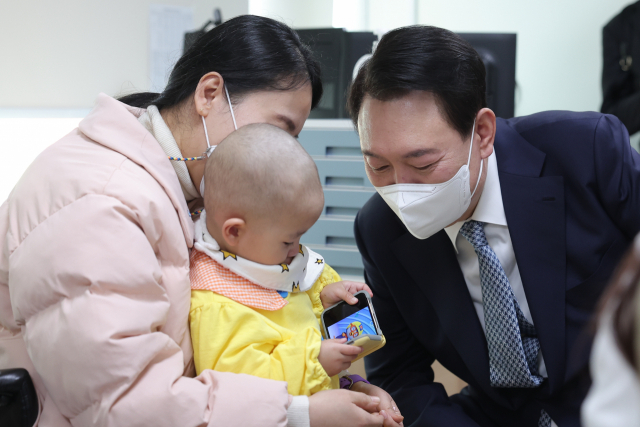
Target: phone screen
{"type": "Point", "coordinates": [350, 321]}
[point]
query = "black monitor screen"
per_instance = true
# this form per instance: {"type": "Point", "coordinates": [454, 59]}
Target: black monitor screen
{"type": "Point", "coordinates": [498, 52]}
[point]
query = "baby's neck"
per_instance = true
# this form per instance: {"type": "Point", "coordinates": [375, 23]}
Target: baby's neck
{"type": "Point", "coordinates": [217, 235]}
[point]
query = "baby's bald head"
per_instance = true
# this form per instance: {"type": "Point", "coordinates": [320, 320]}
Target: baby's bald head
{"type": "Point", "coordinates": [262, 172]}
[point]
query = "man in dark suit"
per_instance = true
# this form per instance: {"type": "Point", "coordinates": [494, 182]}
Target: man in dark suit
{"type": "Point", "coordinates": [490, 240]}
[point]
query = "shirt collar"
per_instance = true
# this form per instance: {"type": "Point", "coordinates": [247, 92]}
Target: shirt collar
{"type": "Point", "coordinates": [490, 209]}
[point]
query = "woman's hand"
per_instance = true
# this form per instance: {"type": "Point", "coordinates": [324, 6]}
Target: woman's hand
{"type": "Point", "coordinates": [386, 402]}
{"type": "Point", "coordinates": [339, 291]}
{"type": "Point", "coordinates": [344, 408]}
{"type": "Point", "coordinates": [336, 356]}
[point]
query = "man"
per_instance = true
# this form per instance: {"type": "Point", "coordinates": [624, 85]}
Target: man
{"type": "Point", "coordinates": [490, 240]}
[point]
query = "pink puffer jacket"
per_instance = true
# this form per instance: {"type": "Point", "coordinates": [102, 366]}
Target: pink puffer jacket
{"type": "Point", "coordinates": [94, 288]}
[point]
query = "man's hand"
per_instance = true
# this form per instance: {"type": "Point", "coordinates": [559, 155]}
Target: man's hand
{"type": "Point", "coordinates": [336, 356]}
{"type": "Point", "coordinates": [386, 402]}
{"type": "Point", "coordinates": [344, 408]}
{"type": "Point", "coordinates": [342, 291]}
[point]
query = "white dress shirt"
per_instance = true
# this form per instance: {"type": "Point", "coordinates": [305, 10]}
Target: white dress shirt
{"type": "Point", "coordinates": [490, 211]}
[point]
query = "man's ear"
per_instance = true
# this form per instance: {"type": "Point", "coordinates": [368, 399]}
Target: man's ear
{"type": "Point", "coordinates": [486, 130]}
{"type": "Point", "coordinates": [232, 231]}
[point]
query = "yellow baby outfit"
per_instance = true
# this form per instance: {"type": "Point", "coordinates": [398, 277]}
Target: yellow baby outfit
{"type": "Point", "coordinates": [276, 336]}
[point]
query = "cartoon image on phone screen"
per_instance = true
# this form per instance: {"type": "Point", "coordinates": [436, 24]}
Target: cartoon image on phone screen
{"type": "Point", "coordinates": [351, 327]}
{"type": "Point", "coordinates": [350, 321]}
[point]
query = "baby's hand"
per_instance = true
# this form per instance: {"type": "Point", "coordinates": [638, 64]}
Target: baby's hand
{"type": "Point", "coordinates": [344, 290]}
{"type": "Point", "coordinates": [336, 356]}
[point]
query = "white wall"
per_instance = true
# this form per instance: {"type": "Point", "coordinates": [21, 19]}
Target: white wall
{"type": "Point", "coordinates": [63, 53]}
{"type": "Point", "coordinates": [385, 15]}
{"type": "Point", "coordinates": [56, 56]}
{"type": "Point", "coordinates": [296, 13]}
{"type": "Point", "coordinates": [559, 53]}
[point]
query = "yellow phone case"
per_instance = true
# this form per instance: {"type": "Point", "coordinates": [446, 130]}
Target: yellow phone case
{"type": "Point", "coordinates": [369, 344]}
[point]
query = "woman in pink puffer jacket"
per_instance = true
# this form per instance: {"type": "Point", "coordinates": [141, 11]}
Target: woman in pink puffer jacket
{"type": "Point", "coordinates": [95, 238]}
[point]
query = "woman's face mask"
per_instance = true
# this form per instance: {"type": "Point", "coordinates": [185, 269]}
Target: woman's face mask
{"type": "Point", "coordinates": [210, 149]}
{"type": "Point", "coordinates": [426, 209]}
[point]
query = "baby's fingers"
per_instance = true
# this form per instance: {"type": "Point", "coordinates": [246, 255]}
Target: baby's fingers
{"type": "Point", "coordinates": [354, 287]}
{"type": "Point", "coordinates": [350, 350]}
{"type": "Point", "coordinates": [342, 293]}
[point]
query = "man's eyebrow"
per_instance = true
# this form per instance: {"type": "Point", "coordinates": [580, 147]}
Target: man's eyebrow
{"type": "Point", "coordinates": [287, 121]}
{"type": "Point", "coordinates": [409, 155]}
{"type": "Point", "coordinates": [420, 153]}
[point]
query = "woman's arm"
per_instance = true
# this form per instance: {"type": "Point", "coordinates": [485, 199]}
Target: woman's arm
{"type": "Point", "coordinates": [94, 309]}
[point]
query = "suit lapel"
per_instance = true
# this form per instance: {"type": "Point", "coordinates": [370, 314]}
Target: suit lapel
{"type": "Point", "coordinates": [534, 208]}
{"type": "Point", "coordinates": [433, 265]}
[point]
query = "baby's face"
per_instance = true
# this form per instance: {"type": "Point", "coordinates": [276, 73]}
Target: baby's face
{"type": "Point", "coordinates": [276, 240]}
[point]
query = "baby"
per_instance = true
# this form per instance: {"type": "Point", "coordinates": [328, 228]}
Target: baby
{"type": "Point", "coordinates": [257, 294]}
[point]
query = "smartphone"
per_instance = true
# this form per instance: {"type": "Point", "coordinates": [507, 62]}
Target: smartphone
{"type": "Point", "coordinates": [343, 320]}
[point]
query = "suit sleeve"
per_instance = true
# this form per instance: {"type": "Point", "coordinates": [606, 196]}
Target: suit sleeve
{"type": "Point", "coordinates": [94, 311]}
{"type": "Point", "coordinates": [403, 366]}
{"type": "Point", "coordinates": [618, 175]}
{"type": "Point", "coordinates": [617, 99]}
{"type": "Point", "coordinates": [230, 337]}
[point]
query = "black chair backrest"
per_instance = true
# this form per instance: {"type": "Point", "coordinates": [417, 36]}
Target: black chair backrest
{"type": "Point", "coordinates": [18, 399]}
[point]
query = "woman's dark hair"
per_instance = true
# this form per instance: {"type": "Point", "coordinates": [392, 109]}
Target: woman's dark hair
{"type": "Point", "coordinates": [620, 297]}
{"type": "Point", "coordinates": [251, 53]}
{"type": "Point", "coordinates": [429, 59]}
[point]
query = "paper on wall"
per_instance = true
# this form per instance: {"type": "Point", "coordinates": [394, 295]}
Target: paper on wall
{"type": "Point", "coordinates": [167, 25]}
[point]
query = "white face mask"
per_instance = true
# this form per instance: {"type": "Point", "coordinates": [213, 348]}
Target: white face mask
{"type": "Point", "coordinates": [206, 134]}
{"type": "Point", "coordinates": [426, 209]}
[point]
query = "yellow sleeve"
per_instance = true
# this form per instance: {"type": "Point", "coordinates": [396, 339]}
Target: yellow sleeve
{"type": "Point", "coordinates": [327, 277]}
{"type": "Point", "coordinates": [230, 337]}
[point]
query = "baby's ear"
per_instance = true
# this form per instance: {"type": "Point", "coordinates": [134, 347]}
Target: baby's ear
{"type": "Point", "coordinates": [232, 230]}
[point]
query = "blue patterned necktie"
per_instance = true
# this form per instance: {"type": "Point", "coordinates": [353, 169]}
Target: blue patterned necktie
{"type": "Point", "coordinates": [511, 338]}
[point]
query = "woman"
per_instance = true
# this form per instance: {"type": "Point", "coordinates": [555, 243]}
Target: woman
{"type": "Point", "coordinates": [615, 392]}
{"type": "Point", "coordinates": [94, 286]}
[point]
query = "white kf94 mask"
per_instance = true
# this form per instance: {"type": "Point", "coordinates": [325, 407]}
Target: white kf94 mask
{"type": "Point", "coordinates": [426, 209]}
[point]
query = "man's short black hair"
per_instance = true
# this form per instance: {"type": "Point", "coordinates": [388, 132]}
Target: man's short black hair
{"type": "Point", "coordinates": [424, 58]}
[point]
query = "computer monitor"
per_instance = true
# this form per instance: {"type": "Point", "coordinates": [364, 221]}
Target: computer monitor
{"type": "Point", "coordinates": [498, 52]}
{"type": "Point", "coordinates": [338, 51]}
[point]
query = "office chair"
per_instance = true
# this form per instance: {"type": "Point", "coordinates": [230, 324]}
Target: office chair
{"type": "Point", "coordinates": [18, 399]}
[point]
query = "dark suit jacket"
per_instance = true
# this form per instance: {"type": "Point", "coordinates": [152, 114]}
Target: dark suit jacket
{"type": "Point", "coordinates": [570, 186]}
{"type": "Point", "coordinates": [620, 88]}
